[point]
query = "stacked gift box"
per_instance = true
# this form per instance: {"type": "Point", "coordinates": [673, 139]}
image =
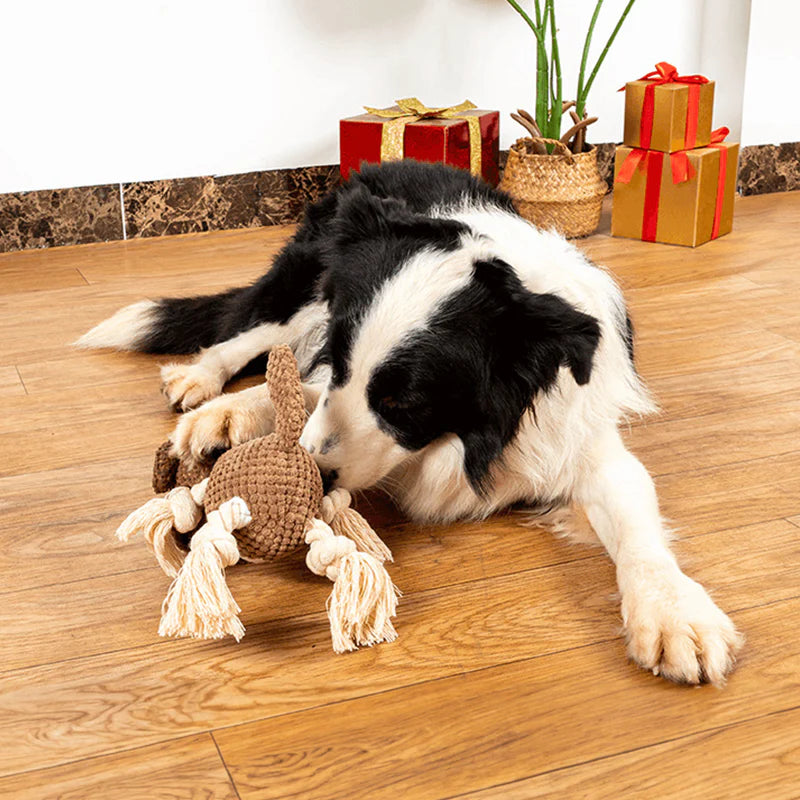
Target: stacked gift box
{"type": "Point", "coordinates": [463, 136]}
{"type": "Point", "coordinates": [674, 178]}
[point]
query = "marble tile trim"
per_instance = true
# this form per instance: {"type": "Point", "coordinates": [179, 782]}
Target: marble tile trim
{"type": "Point", "coordinates": [185, 205]}
{"type": "Point", "coordinates": [248, 200]}
{"type": "Point", "coordinates": [766, 168]}
{"type": "Point", "coordinates": [50, 218]}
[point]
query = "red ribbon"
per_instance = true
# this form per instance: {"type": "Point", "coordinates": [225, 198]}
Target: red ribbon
{"type": "Point", "coordinates": [666, 73]}
{"type": "Point", "coordinates": [717, 137]}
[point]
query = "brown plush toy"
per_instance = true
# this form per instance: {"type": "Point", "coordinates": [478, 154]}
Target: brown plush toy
{"type": "Point", "coordinates": [263, 499]}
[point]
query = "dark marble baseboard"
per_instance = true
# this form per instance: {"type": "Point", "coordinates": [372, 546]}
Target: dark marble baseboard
{"type": "Point", "coordinates": [31, 220]}
{"type": "Point", "coordinates": [248, 200]}
{"type": "Point", "coordinates": [62, 216]}
{"type": "Point", "coordinates": [767, 168]}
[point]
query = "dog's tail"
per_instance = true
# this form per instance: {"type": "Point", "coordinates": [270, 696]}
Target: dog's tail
{"type": "Point", "coordinates": [175, 325]}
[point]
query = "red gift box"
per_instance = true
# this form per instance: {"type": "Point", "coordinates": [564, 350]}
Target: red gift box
{"type": "Point", "coordinates": [462, 136]}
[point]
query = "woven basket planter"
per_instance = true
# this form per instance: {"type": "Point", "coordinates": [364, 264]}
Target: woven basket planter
{"type": "Point", "coordinates": [562, 191]}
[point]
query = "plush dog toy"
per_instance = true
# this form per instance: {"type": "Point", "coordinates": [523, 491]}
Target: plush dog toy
{"type": "Point", "coordinates": [263, 499]}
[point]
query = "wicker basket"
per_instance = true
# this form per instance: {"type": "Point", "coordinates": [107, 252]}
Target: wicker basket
{"type": "Point", "coordinates": [562, 191]}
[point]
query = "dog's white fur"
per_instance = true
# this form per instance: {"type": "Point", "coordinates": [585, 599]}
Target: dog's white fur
{"type": "Point", "coordinates": [571, 450]}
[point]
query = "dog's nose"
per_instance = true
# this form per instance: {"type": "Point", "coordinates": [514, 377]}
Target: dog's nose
{"type": "Point", "coordinates": [329, 478]}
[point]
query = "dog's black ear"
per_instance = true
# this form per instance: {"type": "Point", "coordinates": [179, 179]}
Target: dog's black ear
{"type": "Point", "coordinates": [361, 215]}
{"type": "Point", "coordinates": [530, 336]}
{"type": "Point", "coordinates": [538, 332]}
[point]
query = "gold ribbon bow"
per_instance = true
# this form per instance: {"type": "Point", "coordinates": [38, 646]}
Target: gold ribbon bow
{"type": "Point", "coordinates": [411, 109]}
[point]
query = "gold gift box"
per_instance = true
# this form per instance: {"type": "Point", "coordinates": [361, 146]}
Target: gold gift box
{"type": "Point", "coordinates": [671, 106]}
{"type": "Point", "coordinates": [675, 213]}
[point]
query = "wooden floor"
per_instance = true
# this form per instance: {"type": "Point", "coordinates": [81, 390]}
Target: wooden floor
{"type": "Point", "coordinates": [509, 678]}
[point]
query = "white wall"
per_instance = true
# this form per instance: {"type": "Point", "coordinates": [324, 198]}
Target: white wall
{"type": "Point", "coordinates": [103, 91]}
{"type": "Point", "coordinates": [771, 109]}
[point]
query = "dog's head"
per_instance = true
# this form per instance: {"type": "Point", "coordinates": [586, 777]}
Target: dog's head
{"type": "Point", "coordinates": [429, 335]}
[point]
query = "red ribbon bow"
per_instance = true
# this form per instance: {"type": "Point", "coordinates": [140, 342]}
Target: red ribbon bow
{"type": "Point", "coordinates": [667, 73]}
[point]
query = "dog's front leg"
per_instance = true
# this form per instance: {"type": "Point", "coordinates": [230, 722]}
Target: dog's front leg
{"type": "Point", "coordinates": [186, 386]}
{"type": "Point", "coordinates": [672, 626]}
{"type": "Point", "coordinates": [230, 420]}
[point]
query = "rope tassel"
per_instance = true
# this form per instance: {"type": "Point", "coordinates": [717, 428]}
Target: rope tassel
{"type": "Point", "coordinates": [157, 519]}
{"type": "Point", "coordinates": [346, 521]}
{"type": "Point", "coordinates": [199, 603]}
{"type": "Point", "coordinates": [363, 600]}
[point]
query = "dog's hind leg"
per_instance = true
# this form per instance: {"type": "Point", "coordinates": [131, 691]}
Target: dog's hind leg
{"type": "Point", "coordinates": [186, 386]}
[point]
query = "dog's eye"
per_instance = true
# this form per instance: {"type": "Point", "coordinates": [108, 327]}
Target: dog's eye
{"type": "Point", "coordinates": [394, 404]}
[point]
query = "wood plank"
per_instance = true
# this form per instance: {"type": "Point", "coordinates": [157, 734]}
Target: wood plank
{"type": "Point", "coordinates": [732, 495]}
{"type": "Point", "coordinates": [92, 705]}
{"type": "Point", "coordinates": [759, 758]}
{"type": "Point", "coordinates": [183, 769]}
{"type": "Point", "coordinates": [788, 328]}
{"type": "Point", "coordinates": [50, 534]}
{"type": "Point", "coordinates": [70, 536]}
{"type": "Point", "coordinates": [758, 241]}
{"type": "Point", "coordinates": [16, 277]}
{"type": "Point", "coordinates": [81, 406]}
{"type": "Point", "coordinates": [717, 306]}
{"type": "Point", "coordinates": [44, 449]}
{"type": "Point", "coordinates": [676, 356]}
{"type": "Point", "coordinates": [197, 252]}
{"type": "Point", "coordinates": [500, 724]}
{"type": "Point", "coordinates": [712, 391]}
{"type": "Point", "coordinates": [713, 440]}
{"type": "Point", "coordinates": [92, 368]}
{"type": "Point", "coordinates": [10, 383]}
{"type": "Point", "coordinates": [719, 344]}
{"type": "Point", "coordinates": [249, 250]}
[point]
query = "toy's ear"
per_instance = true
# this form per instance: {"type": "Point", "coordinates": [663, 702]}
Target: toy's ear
{"type": "Point", "coordinates": [286, 393]}
{"type": "Point", "coordinates": [165, 469]}
{"type": "Point", "coordinates": [532, 337]}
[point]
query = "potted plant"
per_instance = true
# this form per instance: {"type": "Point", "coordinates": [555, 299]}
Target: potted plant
{"type": "Point", "coordinates": [553, 177]}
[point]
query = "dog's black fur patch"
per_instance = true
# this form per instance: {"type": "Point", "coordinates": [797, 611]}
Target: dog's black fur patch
{"type": "Point", "coordinates": [479, 365]}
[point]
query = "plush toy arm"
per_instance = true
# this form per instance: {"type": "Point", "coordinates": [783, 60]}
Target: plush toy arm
{"type": "Point", "coordinates": [363, 600]}
{"type": "Point", "coordinates": [199, 602]}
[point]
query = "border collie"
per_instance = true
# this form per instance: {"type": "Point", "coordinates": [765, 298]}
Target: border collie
{"type": "Point", "coordinates": [459, 357]}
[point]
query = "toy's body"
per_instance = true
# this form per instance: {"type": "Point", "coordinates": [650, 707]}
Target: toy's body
{"type": "Point", "coordinates": [262, 499]}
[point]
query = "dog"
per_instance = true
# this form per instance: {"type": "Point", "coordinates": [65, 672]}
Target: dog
{"type": "Point", "coordinates": [459, 357]}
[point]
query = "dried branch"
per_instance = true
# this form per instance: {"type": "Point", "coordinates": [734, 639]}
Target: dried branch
{"type": "Point", "coordinates": [577, 128]}
{"type": "Point", "coordinates": [537, 131]}
{"type": "Point", "coordinates": [533, 130]}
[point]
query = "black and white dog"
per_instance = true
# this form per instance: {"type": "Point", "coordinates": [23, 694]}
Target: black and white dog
{"type": "Point", "coordinates": [457, 356]}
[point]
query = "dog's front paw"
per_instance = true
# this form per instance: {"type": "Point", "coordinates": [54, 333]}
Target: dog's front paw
{"type": "Point", "coordinates": [675, 629]}
{"type": "Point", "coordinates": [188, 385]}
{"type": "Point", "coordinates": [220, 424]}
